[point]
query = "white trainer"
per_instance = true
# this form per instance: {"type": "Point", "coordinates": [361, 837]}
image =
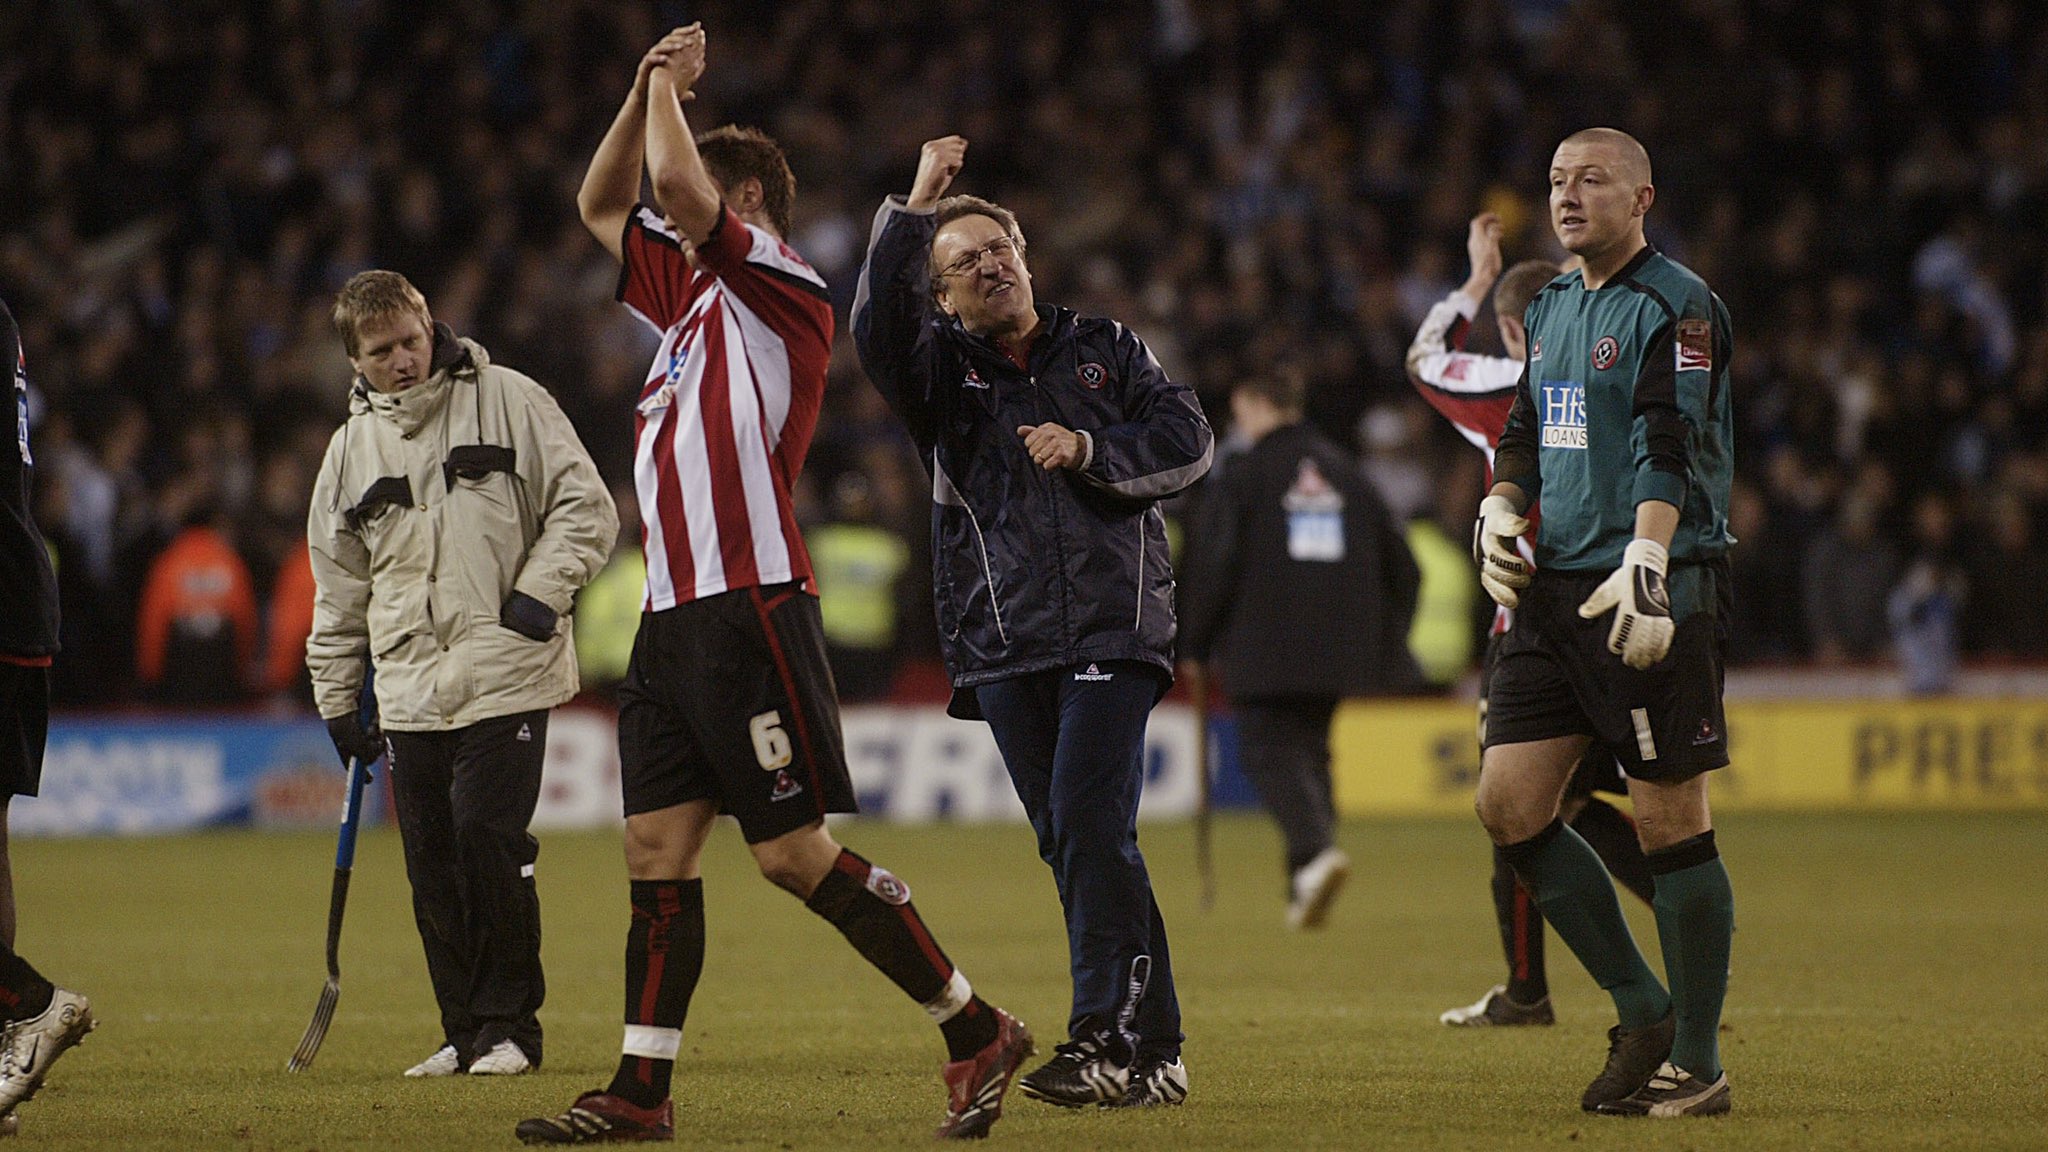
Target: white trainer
{"type": "Point", "coordinates": [29, 1047]}
{"type": "Point", "coordinates": [444, 1062]}
{"type": "Point", "coordinates": [1316, 885]}
{"type": "Point", "coordinates": [504, 1060]}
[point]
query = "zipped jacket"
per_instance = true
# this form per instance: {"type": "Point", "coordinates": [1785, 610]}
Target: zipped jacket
{"type": "Point", "coordinates": [1031, 569]}
{"type": "Point", "coordinates": [433, 505]}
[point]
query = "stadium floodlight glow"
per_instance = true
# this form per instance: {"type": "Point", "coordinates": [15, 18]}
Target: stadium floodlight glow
{"type": "Point", "coordinates": [344, 863]}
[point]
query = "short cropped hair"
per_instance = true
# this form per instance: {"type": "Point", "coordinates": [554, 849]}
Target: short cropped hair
{"type": "Point", "coordinates": [371, 295]}
{"type": "Point", "coordinates": [1283, 386]}
{"type": "Point", "coordinates": [954, 207]}
{"type": "Point", "coordinates": [1519, 285]}
{"type": "Point", "coordinates": [732, 153]}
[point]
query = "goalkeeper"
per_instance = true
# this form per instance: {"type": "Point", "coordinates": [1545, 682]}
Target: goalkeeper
{"type": "Point", "coordinates": [1622, 430]}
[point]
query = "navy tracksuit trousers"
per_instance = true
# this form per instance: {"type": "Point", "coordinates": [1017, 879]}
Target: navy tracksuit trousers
{"type": "Point", "coordinates": [1074, 742]}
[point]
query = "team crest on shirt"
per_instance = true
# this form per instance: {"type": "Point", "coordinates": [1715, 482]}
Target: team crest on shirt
{"type": "Point", "coordinates": [974, 380]}
{"type": "Point", "coordinates": [887, 888]}
{"type": "Point", "coordinates": [1092, 375]}
{"type": "Point", "coordinates": [1535, 351]}
{"type": "Point", "coordinates": [1604, 353]}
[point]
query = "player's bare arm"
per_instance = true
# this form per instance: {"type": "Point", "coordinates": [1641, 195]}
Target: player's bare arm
{"type": "Point", "coordinates": [612, 185]}
{"type": "Point", "coordinates": [937, 163]}
{"type": "Point", "coordinates": [1482, 255]}
{"type": "Point", "coordinates": [682, 186]}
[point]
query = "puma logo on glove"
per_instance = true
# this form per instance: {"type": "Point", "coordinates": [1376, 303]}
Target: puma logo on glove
{"type": "Point", "coordinates": [1637, 596]}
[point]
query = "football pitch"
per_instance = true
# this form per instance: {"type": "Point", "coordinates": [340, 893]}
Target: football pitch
{"type": "Point", "coordinates": [1888, 992]}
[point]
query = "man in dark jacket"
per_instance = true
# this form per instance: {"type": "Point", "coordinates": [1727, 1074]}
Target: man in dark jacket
{"type": "Point", "coordinates": [1050, 438]}
{"type": "Point", "coordinates": [38, 1021]}
{"type": "Point", "coordinates": [1300, 590]}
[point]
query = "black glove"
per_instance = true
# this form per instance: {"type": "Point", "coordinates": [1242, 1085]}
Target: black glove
{"type": "Point", "coordinates": [528, 617]}
{"type": "Point", "coordinates": [353, 742]}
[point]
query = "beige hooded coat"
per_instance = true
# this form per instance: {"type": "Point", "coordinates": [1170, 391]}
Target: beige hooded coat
{"type": "Point", "coordinates": [413, 578]}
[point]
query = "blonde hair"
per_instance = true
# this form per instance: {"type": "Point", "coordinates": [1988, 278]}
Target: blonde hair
{"type": "Point", "coordinates": [372, 294]}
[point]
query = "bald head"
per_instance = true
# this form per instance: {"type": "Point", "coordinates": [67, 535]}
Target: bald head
{"type": "Point", "coordinates": [1600, 191]}
{"type": "Point", "coordinates": [1626, 156]}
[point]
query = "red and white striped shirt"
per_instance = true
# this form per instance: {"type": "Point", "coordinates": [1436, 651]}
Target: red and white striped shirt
{"type": "Point", "coordinates": [1473, 392]}
{"type": "Point", "coordinates": [726, 415]}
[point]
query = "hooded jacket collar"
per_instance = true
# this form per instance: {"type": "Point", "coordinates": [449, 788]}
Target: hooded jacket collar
{"type": "Point", "coordinates": [455, 357]}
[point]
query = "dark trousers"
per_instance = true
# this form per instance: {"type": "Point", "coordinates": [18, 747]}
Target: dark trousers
{"type": "Point", "coordinates": [464, 800]}
{"type": "Point", "coordinates": [1284, 745]}
{"type": "Point", "coordinates": [1075, 748]}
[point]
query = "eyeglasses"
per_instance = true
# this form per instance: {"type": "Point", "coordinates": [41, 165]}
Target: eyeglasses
{"type": "Point", "coordinates": [1002, 247]}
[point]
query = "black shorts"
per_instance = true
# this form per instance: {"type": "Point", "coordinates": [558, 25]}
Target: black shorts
{"type": "Point", "coordinates": [1597, 770]}
{"type": "Point", "coordinates": [24, 727]}
{"type": "Point", "coordinates": [1553, 676]}
{"type": "Point", "coordinates": [730, 699]}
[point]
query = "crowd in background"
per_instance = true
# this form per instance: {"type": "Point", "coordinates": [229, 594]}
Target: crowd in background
{"type": "Point", "coordinates": [1246, 182]}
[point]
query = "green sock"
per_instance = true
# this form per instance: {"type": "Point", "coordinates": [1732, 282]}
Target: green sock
{"type": "Point", "coordinates": [1577, 898]}
{"type": "Point", "coordinates": [1696, 923]}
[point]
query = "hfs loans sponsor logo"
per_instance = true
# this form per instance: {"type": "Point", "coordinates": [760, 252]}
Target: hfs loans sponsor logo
{"type": "Point", "coordinates": [1564, 414]}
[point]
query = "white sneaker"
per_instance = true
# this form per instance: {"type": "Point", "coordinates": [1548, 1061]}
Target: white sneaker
{"type": "Point", "coordinates": [1316, 885]}
{"type": "Point", "coordinates": [504, 1060]}
{"type": "Point", "coordinates": [443, 1062]}
{"type": "Point", "coordinates": [29, 1047]}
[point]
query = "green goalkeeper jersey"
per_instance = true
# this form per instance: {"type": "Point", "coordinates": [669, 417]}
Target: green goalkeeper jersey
{"type": "Point", "coordinates": [1624, 399]}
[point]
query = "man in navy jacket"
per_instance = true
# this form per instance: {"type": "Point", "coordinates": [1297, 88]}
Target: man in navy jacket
{"type": "Point", "coordinates": [1050, 438]}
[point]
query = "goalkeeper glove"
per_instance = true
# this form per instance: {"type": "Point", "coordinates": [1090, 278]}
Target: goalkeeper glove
{"type": "Point", "coordinates": [1642, 629]}
{"type": "Point", "coordinates": [1501, 567]}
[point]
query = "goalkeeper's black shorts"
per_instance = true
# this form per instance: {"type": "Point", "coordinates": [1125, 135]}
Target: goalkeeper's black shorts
{"type": "Point", "coordinates": [1553, 676]}
{"type": "Point", "coordinates": [1597, 771]}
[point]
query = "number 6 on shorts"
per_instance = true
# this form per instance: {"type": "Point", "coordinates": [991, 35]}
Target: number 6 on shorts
{"type": "Point", "coordinates": [771, 743]}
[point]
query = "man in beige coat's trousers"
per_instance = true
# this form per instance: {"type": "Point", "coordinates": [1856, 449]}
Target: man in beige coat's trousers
{"type": "Point", "coordinates": [455, 515]}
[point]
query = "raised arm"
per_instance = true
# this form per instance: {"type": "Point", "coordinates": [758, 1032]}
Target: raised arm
{"type": "Point", "coordinates": [892, 304]}
{"type": "Point", "coordinates": [612, 185]}
{"type": "Point", "coordinates": [683, 188]}
{"type": "Point", "coordinates": [1443, 331]}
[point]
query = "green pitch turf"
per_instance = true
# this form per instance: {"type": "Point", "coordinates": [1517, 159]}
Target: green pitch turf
{"type": "Point", "coordinates": [1889, 992]}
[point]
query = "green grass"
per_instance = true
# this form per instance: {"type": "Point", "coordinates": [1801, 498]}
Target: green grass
{"type": "Point", "coordinates": [1887, 993]}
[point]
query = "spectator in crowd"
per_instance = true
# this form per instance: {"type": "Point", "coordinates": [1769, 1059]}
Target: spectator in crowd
{"type": "Point", "coordinates": [195, 637]}
{"type": "Point", "coordinates": [859, 564]}
{"type": "Point", "coordinates": [1848, 574]}
{"type": "Point", "coordinates": [2008, 581]}
{"type": "Point", "coordinates": [1925, 608]}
